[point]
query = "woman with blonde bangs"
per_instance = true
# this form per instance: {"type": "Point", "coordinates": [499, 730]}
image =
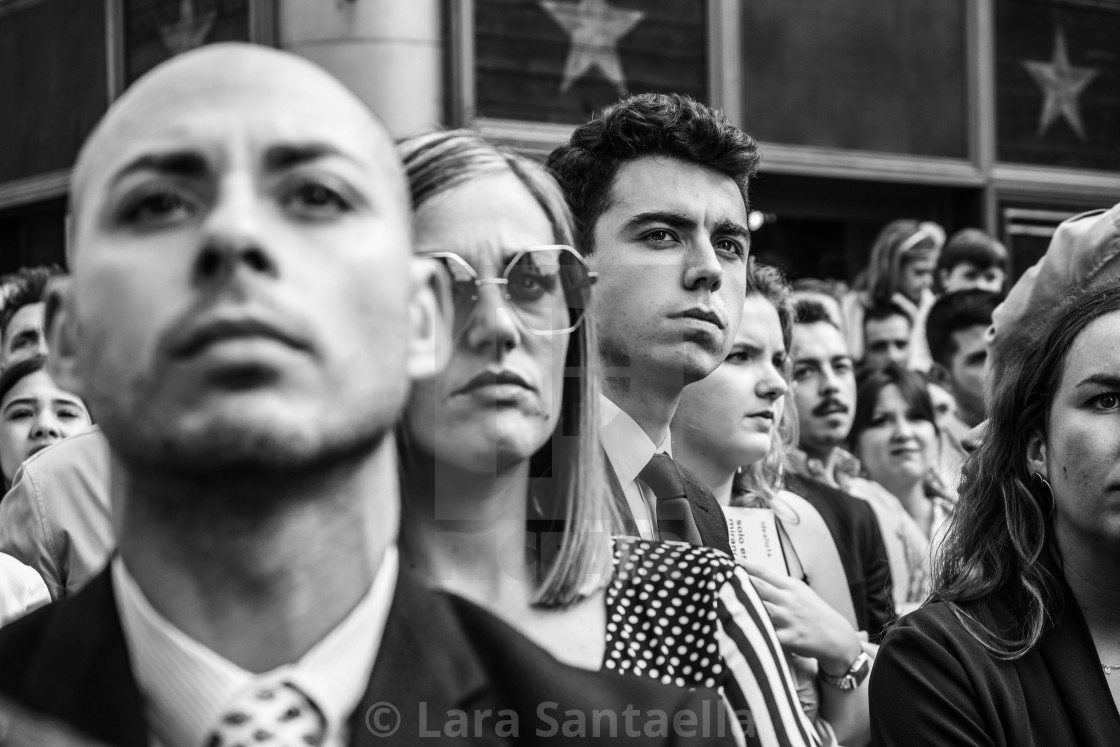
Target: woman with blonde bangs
{"type": "Point", "coordinates": [507, 499]}
{"type": "Point", "coordinates": [901, 272]}
{"type": "Point", "coordinates": [730, 430]}
{"type": "Point", "coordinates": [1020, 641]}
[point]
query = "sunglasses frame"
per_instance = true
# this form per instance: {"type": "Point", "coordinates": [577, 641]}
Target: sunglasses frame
{"type": "Point", "coordinates": [584, 287]}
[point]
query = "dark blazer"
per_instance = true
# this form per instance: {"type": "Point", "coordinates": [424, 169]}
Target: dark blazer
{"type": "Point", "coordinates": [705, 508]}
{"type": "Point", "coordinates": [855, 530]}
{"type": "Point", "coordinates": [439, 653]}
{"type": "Point", "coordinates": [934, 684]}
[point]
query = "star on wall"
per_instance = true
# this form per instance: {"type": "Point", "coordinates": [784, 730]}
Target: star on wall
{"type": "Point", "coordinates": [594, 28]}
{"type": "Point", "coordinates": [1061, 83]}
{"type": "Point", "coordinates": [188, 32]}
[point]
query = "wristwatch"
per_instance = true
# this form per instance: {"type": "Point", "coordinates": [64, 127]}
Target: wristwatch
{"type": "Point", "coordinates": [851, 679]}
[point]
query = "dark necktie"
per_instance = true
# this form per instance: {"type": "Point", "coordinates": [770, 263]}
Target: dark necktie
{"type": "Point", "coordinates": [674, 512]}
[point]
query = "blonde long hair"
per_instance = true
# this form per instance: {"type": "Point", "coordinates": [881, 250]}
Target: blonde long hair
{"type": "Point", "coordinates": [568, 471]}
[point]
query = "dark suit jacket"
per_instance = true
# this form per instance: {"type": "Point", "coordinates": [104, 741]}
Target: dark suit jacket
{"type": "Point", "coordinates": [69, 661]}
{"type": "Point", "coordinates": [934, 684]}
{"type": "Point", "coordinates": [855, 530]}
{"type": "Point", "coordinates": [705, 508]}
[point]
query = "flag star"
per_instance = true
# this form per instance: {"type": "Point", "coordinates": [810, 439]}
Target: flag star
{"type": "Point", "coordinates": [188, 32]}
{"type": "Point", "coordinates": [594, 28]}
{"type": "Point", "coordinates": [1061, 84]}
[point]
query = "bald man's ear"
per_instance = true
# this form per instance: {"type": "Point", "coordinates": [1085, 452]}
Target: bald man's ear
{"type": "Point", "coordinates": [61, 336]}
{"type": "Point", "coordinates": [430, 319]}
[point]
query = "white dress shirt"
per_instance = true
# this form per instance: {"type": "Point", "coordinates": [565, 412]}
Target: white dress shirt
{"type": "Point", "coordinates": [629, 450]}
{"type": "Point", "coordinates": [186, 688]}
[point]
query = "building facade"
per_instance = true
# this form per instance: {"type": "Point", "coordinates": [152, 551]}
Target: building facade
{"type": "Point", "coordinates": [1001, 114]}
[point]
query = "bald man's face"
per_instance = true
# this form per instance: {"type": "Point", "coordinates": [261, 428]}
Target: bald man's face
{"type": "Point", "coordinates": [241, 271]}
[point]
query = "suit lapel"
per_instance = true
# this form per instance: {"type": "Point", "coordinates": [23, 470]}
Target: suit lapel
{"type": "Point", "coordinates": [425, 667]}
{"type": "Point", "coordinates": [707, 513]}
{"type": "Point", "coordinates": [82, 673]}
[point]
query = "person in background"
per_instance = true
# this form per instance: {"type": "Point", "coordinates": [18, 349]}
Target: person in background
{"type": "Point", "coordinates": [971, 259]}
{"type": "Point", "coordinates": [658, 186]}
{"type": "Point", "coordinates": [727, 431]}
{"type": "Point", "coordinates": [503, 445]}
{"type": "Point", "coordinates": [886, 335]}
{"type": "Point", "coordinates": [823, 473]}
{"type": "Point", "coordinates": [55, 517]}
{"type": "Point", "coordinates": [900, 271]}
{"type": "Point", "coordinates": [957, 326]}
{"type": "Point", "coordinates": [34, 413]}
{"type": "Point", "coordinates": [825, 292]}
{"type": "Point", "coordinates": [1020, 644]}
{"type": "Point", "coordinates": [895, 437]}
{"type": "Point", "coordinates": [22, 316]}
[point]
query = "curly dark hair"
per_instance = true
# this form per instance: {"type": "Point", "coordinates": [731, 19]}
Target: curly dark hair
{"type": "Point", "coordinates": [642, 125]}
{"type": "Point", "coordinates": [29, 286]}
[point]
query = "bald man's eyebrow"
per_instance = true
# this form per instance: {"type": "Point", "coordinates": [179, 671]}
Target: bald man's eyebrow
{"type": "Point", "coordinates": [185, 164]}
{"type": "Point", "coordinates": [282, 157]}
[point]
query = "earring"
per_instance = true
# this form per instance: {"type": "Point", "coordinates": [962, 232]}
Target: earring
{"type": "Point", "coordinates": [1044, 493]}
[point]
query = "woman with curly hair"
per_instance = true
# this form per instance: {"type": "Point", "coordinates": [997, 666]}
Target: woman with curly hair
{"type": "Point", "coordinates": [1020, 643]}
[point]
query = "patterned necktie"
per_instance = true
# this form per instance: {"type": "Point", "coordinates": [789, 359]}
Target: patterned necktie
{"type": "Point", "coordinates": [674, 512]}
{"type": "Point", "coordinates": [275, 716]}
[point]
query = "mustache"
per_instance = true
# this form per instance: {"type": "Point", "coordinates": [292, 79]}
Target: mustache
{"type": "Point", "coordinates": [830, 406]}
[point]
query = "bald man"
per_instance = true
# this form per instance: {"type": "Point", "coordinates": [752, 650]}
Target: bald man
{"type": "Point", "coordinates": [245, 317]}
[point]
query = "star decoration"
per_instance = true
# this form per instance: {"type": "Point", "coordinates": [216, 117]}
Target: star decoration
{"type": "Point", "coordinates": [1061, 83]}
{"type": "Point", "coordinates": [188, 32]}
{"type": "Point", "coordinates": [594, 28]}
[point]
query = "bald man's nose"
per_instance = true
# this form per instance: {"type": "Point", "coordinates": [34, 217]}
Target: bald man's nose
{"type": "Point", "coordinates": [235, 234]}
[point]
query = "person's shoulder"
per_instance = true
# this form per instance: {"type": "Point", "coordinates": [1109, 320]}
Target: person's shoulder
{"type": "Point", "coordinates": [560, 701]}
{"type": "Point", "coordinates": [943, 626]}
{"type": "Point", "coordinates": [652, 562]}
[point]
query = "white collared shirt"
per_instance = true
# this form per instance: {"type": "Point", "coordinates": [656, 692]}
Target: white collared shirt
{"type": "Point", "coordinates": [629, 450]}
{"type": "Point", "coordinates": [186, 687]}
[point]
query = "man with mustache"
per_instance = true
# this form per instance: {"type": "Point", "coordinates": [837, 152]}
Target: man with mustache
{"type": "Point", "coordinates": [245, 317]}
{"type": "Point", "coordinates": [824, 390]}
{"type": "Point", "coordinates": [658, 186]}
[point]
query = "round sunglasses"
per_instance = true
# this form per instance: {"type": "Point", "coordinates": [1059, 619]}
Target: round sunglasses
{"type": "Point", "coordinates": [547, 288]}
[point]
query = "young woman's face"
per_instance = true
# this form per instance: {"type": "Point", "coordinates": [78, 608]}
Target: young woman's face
{"type": "Point", "coordinates": [730, 415]}
{"type": "Point", "coordinates": [916, 275]}
{"type": "Point", "coordinates": [1081, 454]}
{"type": "Point", "coordinates": [498, 400]}
{"type": "Point", "coordinates": [33, 415]}
{"type": "Point", "coordinates": [898, 447]}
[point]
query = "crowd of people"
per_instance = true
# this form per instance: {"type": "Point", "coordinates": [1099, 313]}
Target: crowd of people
{"type": "Point", "coordinates": [325, 439]}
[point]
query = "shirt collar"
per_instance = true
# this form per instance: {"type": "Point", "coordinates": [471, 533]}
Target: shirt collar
{"type": "Point", "coordinates": [845, 466]}
{"type": "Point", "coordinates": [187, 687]}
{"type": "Point", "coordinates": [628, 447]}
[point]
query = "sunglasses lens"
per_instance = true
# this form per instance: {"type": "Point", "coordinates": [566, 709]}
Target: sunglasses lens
{"type": "Point", "coordinates": [464, 291]}
{"type": "Point", "coordinates": [546, 288]}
